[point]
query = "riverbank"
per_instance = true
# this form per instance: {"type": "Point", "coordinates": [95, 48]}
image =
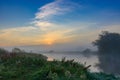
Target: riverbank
{"type": "Point", "coordinates": [20, 65]}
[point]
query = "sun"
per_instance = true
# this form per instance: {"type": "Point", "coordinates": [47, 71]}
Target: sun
{"type": "Point", "coordinates": [49, 43]}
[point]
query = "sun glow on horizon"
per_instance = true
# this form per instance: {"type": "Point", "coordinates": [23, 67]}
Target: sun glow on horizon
{"type": "Point", "coordinates": [49, 41]}
{"type": "Point", "coordinates": [56, 22]}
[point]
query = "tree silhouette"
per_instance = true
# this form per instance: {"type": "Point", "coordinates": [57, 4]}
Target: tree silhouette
{"type": "Point", "coordinates": [109, 52]}
{"type": "Point", "coordinates": [16, 50]}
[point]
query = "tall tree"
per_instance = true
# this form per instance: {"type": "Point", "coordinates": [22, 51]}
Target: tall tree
{"type": "Point", "coordinates": [108, 45]}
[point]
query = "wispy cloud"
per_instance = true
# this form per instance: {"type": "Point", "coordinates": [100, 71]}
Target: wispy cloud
{"type": "Point", "coordinates": [42, 30]}
{"type": "Point", "coordinates": [58, 7]}
{"type": "Point", "coordinates": [19, 29]}
{"type": "Point", "coordinates": [43, 25]}
{"type": "Point", "coordinates": [45, 15]}
{"type": "Point", "coordinates": [18, 36]}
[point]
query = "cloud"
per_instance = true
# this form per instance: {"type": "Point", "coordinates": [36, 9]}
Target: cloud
{"type": "Point", "coordinates": [42, 29]}
{"type": "Point", "coordinates": [58, 36]}
{"type": "Point", "coordinates": [58, 7]}
{"type": "Point", "coordinates": [19, 36]}
{"type": "Point", "coordinates": [48, 10]}
{"type": "Point", "coordinates": [16, 36]}
{"type": "Point", "coordinates": [20, 29]}
{"type": "Point", "coordinates": [45, 16]}
{"type": "Point", "coordinates": [44, 25]}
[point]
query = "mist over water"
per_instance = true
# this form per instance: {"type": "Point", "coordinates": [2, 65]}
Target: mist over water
{"type": "Point", "coordinates": [108, 63]}
{"type": "Point", "coordinates": [78, 57]}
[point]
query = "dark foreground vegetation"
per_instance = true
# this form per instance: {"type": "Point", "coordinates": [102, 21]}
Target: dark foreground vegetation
{"type": "Point", "coordinates": [20, 65]}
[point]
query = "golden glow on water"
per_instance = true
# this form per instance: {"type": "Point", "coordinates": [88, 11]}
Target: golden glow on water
{"type": "Point", "coordinates": [50, 59]}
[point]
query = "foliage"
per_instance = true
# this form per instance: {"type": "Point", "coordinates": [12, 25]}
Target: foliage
{"type": "Point", "coordinates": [108, 42]}
{"type": "Point", "coordinates": [29, 66]}
{"type": "Point", "coordinates": [3, 51]}
{"type": "Point", "coordinates": [109, 52]}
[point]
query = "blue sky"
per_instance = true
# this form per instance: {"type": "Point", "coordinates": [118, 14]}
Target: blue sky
{"type": "Point", "coordinates": [15, 13]}
{"type": "Point", "coordinates": [56, 22]}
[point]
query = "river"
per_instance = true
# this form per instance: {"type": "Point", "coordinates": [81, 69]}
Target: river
{"type": "Point", "coordinates": [78, 57]}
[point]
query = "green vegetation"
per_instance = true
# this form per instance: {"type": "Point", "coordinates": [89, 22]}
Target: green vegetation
{"type": "Point", "coordinates": [20, 65]}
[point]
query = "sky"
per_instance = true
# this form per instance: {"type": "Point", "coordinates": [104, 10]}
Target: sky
{"type": "Point", "coordinates": [56, 24]}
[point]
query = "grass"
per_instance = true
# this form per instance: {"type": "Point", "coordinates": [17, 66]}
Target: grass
{"type": "Point", "coordinates": [20, 65]}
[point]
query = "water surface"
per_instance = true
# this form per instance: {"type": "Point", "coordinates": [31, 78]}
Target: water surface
{"type": "Point", "coordinates": [78, 57]}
